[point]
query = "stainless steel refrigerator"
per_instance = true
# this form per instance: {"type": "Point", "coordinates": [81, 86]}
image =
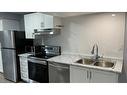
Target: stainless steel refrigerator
{"type": "Point", "coordinates": [12, 43]}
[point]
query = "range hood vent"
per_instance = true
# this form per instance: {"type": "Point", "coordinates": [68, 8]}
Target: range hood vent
{"type": "Point", "coordinates": [48, 31]}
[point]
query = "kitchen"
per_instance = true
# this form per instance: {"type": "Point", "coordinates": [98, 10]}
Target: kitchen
{"type": "Point", "coordinates": [73, 47]}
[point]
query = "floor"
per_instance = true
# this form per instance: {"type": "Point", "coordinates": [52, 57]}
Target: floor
{"type": "Point", "coordinates": [3, 80]}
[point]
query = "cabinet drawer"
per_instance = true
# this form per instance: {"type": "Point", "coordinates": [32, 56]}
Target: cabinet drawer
{"type": "Point", "coordinates": [25, 79]}
{"type": "Point", "coordinates": [23, 64]}
{"type": "Point", "coordinates": [24, 69]}
{"type": "Point", "coordinates": [23, 59]}
{"type": "Point", "coordinates": [24, 75]}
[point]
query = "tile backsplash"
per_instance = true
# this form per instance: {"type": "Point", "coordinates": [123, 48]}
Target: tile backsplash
{"type": "Point", "coordinates": [80, 33]}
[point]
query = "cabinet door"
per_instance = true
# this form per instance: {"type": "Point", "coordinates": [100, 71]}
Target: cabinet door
{"type": "Point", "coordinates": [48, 21]}
{"type": "Point", "coordinates": [57, 22]}
{"type": "Point", "coordinates": [98, 76]}
{"type": "Point", "coordinates": [28, 26]}
{"type": "Point", "coordinates": [1, 63]}
{"type": "Point", "coordinates": [79, 74]}
{"type": "Point", "coordinates": [33, 21]}
{"type": "Point", "coordinates": [1, 25]}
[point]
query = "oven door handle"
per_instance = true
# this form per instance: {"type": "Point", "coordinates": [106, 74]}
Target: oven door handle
{"type": "Point", "coordinates": [37, 61]}
{"type": "Point", "coordinates": [58, 66]}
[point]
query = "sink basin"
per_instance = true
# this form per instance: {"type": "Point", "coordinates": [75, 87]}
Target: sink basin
{"type": "Point", "coordinates": [104, 64]}
{"type": "Point", "coordinates": [100, 63]}
{"type": "Point", "coordinates": [85, 61]}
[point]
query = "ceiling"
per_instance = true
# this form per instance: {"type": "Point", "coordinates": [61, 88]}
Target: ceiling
{"type": "Point", "coordinates": [59, 14]}
{"type": "Point", "coordinates": [20, 13]}
{"type": "Point", "coordinates": [67, 14]}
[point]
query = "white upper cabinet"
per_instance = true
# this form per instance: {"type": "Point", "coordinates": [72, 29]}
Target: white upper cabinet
{"type": "Point", "coordinates": [48, 21]}
{"type": "Point", "coordinates": [39, 21]}
{"type": "Point", "coordinates": [7, 24]}
{"type": "Point", "coordinates": [51, 21]}
{"type": "Point", "coordinates": [33, 21]}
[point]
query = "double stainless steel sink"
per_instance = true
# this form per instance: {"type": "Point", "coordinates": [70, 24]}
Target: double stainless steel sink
{"type": "Point", "coordinates": [99, 62]}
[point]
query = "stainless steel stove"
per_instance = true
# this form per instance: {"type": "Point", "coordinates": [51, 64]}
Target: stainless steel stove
{"type": "Point", "coordinates": [37, 63]}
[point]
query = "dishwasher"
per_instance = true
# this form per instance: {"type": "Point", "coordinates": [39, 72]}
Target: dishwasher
{"type": "Point", "coordinates": [58, 73]}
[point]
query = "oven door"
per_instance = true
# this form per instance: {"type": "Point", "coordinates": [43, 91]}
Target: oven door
{"type": "Point", "coordinates": [38, 70]}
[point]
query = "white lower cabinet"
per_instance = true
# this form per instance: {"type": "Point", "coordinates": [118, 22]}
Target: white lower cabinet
{"type": "Point", "coordinates": [86, 75]}
{"type": "Point", "coordinates": [99, 76]}
{"type": "Point", "coordinates": [78, 74]}
{"type": "Point", "coordinates": [24, 68]}
{"type": "Point", "coordinates": [1, 63]}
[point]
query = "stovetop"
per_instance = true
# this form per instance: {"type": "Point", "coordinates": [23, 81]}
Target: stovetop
{"type": "Point", "coordinates": [42, 57]}
{"type": "Point", "coordinates": [43, 52]}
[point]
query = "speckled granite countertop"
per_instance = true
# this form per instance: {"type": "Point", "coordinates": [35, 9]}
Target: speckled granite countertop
{"type": "Point", "coordinates": [71, 59]}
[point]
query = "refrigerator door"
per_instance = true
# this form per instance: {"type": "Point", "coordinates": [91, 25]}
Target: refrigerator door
{"type": "Point", "coordinates": [9, 64]}
{"type": "Point", "coordinates": [7, 39]}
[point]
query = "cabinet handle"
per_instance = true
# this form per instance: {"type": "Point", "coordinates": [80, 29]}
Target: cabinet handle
{"type": "Point", "coordinates": [90, 74]}
{"type": "Point", "coordinates": [33, 35]}
{"type": "Point", "coordinates": [42, 24]}
{"type": "Point", "coordinates": [59, 26]}
{"type": "Point", "coordinates": [87, 74]}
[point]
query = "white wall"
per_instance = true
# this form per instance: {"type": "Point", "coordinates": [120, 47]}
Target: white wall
{"type": "Point", "coordinates": [5, 15]}
{"type": "Point", "coordinates": [81, 32]}
{"type": "Point", "coordinates": [123, 76]}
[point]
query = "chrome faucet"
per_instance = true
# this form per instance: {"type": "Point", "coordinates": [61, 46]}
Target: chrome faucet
{"type": "Point", "coordinates": [95, 52]}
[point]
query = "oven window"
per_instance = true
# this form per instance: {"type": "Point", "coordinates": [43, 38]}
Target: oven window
{"type": "Point", "coordinates": [38, 72]}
